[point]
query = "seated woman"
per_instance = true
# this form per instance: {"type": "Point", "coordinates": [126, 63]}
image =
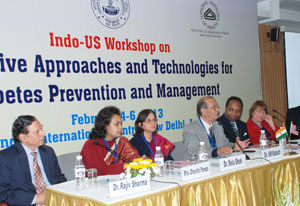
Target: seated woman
{"type": "Point", "coordinates": [105, 142]}
{"type": "Point", "coordinates": [146, 138]}
{"type": "Point", "coordinates": [260, 120]}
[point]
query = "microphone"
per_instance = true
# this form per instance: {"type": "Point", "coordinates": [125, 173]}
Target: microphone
{"type": "Point", "coordinates": [111, 151]}
{"type": "Point", "coordinates": [276, 117]}
{"type": "Point", "coordinates": [243, 151]}
{"type": "Point", "coordinates": [274, 110]}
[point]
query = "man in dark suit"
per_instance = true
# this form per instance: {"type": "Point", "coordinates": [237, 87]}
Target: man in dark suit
{"type": "Point", "coordinates": [233, 127]}
{"type": "Point", "coordinates": [20, 163]}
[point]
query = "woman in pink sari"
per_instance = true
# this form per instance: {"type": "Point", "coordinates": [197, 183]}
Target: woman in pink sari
{"type": "Point", "coordinates": [146, 138]}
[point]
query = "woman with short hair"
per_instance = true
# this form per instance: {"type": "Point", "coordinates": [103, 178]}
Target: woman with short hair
{"type": "Point", "coordinates": [259, 119]}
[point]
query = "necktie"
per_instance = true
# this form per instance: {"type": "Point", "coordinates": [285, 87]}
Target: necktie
{"type": "Point", "coordinates": [235, 129]}
{"type": "Point", "coordinates": [39, 180]}
{"type": "Point", "coordinates": [212, 138]}
{"type": "Point", "coordinates": [210, 132]}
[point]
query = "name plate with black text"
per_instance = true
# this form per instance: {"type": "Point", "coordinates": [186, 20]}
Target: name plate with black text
{"type": "Point", "coordinates": [129, 186]}
{"type": "Point", "coordinates": [271, 153]}
{"type": "Point", "coordinates": [232, 162]}
{"type": "Point", "coordinates": [195, 171]}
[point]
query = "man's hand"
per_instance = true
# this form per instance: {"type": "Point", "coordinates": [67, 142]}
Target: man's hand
{"type": "Point", "coordinates": [40, 198]}
{"type": "Point", "coordinates": [244, 144]}
{"type": "Point", "coordinates": [224, 151]}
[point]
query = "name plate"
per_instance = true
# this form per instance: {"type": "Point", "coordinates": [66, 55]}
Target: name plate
{"type": "Point", "coordinates": [271, 153]}
{"type": "Point", "coordinates": [232, 162]}
{"type": "Point", "coordinates": [195, 171]}
{"type": "Point", "coordinates": [129, 186]}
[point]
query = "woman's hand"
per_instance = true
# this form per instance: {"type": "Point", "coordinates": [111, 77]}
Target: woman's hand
{"type": "Point", "coordinates": [269, 120]}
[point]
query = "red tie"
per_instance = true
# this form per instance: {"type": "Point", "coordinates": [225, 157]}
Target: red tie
{"type": "Point", "coordinates": [39, 180]}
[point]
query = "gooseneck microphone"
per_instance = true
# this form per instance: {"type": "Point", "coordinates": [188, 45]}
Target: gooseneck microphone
{"type": "Point", "coordinates": [284, 117]}
{"type": "Point", "coordinates": [276, 117]}
{"type": "Point", "coordinates": [243, 151]}
{"type": "Point", "coordinates": [111, 151]}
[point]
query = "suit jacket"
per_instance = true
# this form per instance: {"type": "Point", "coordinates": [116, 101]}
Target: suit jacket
{"type": "Point", "coordinates": [293, 114]}
{"type": "Point", "coordinates": [228, 130]}
{"type": "Point", "coordinates": [16, 186]}
{"type": "Point", "coordinates": [194, 133]}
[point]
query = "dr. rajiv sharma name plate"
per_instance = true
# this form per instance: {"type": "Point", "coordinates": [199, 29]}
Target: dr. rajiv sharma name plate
{"type": "Point", "coordinates": [129, 186]}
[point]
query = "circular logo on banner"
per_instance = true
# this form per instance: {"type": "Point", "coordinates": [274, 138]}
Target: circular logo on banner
{"type": "Point", "coordinates": [209, 14]}
{"type": "Point", "coordinates": [111, 13]}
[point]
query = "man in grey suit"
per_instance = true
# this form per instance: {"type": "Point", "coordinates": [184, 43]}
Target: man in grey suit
{"type": "Point", "coordinates": [206, 129]}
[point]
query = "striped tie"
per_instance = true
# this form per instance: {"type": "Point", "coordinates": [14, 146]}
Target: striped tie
{"type": "Point", "coordinates": [235, 129]}
{"type": "Point", "coordinates": [39, 180]}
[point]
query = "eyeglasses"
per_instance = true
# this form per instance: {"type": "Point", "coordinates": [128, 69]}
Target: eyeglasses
{"type": "Point", "coordinates": [151, 120]}
{"type": "Point", "coordinates": [215, 107]}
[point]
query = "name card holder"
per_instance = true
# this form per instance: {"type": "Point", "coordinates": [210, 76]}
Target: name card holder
{"type": "Point", "coordinates": [129, 186]}
{"type": "Point", "coordinates": [195, 171]}
{"type": "Point", "coordinates": [232, 162]}
{"type": "Point", "coordinates": [271, 153]}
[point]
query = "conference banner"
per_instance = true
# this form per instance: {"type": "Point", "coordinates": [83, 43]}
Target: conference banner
{"type": "Point", "coordinates": [63, 61]}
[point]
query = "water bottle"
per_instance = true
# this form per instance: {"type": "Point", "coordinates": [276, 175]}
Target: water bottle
{"type": "Point", "coordinates": [282, 143]}
{"type": "Point", "coordinates": [79, 174]}
{"type": "Point", "coordinates": [203, 156]}
{"type": "Point", "coordinates": [263, 140]}
{"type": "Point", "coordinates": [159, 160]}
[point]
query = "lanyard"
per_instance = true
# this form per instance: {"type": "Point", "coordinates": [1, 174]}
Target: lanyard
{"type": "Point", "coordinates": [212, 139]}
{"type": "Point", "coordinates": [114, 155]}
{"type": "Point", "coordinates": [266, 131]}
{"type": "Point", "coordinates": [146, 142]}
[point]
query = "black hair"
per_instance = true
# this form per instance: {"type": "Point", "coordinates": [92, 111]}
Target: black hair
{"type": "Point", "coordinates": [103, 119]}
{"type": "Point", "coordinates": [142, 116]}
{"type": "Point", "coordinates": [20, 126]}
{"type": "Point", "coordinates": [234, 98]}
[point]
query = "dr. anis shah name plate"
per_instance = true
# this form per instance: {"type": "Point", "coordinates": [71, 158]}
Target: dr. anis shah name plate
{"type": "Point", "coordinates": [195, 171]}
{"type": "Point", "coordinates": [129, 186]}
{"type": "Point", "coordinates": [271, 153]}
{"type": "Point", "coordinates": [232, 162]}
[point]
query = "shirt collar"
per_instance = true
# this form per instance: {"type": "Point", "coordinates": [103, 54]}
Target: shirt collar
{"type": "Point", "coordinates": [206, 125]}
{"type": "Point", "coordinates": [29, 151]}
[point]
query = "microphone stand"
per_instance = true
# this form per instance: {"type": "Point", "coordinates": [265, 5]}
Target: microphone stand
{"type": "Point", "coordinates": [274, 110]}
{"type": "Point", "coordinates": [111, 151]}
{"type": "Point", "coordinates": [289, 153]}
{"type": "Point", "coordinates": [247, 157]}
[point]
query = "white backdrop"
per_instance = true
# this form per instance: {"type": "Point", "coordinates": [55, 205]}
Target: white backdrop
{"type": "Point", "coordinates": [292, 43]}
{"type": "Point", "coordinates": [55, 81]}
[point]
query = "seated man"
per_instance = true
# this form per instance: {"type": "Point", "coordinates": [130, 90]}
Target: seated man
{"type": "Point", "coordinates": [206, 129]}
{"type": "Point", "coordinates": [28, 166]}
{"type": "Point", "coordinates": [233, 127]}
